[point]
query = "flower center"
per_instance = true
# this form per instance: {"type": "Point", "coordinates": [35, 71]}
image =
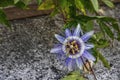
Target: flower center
{"type": "Point", "coordinates": [72, 47]}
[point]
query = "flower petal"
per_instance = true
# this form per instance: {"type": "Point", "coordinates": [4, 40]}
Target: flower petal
{"type": "Point", "coordinates": [77, 31]}
{"type": "Point", "coordinates": [89, 56]}
{"type": "Point", "coordinates": [69, 63]}
{"type": "Point", "coordinates": [59, 38]}
{"type": "Point", "coordinates": [86, 36]}
{"type": "Point", "coordinates": [56, 49]}
{"type": "Point", "coordinates": [89, 46]}
{"type": "Point", "coordinates": [79, 63]}
{"type": "Point", "coordinates": [68, 33]}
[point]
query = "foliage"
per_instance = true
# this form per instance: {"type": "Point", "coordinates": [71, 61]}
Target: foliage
{"type": "Point", "coordinates": [74, 76]}
{"type": "Point", "coordinates": [6, 3]}
{"type": "Point", "coordinates": [74, 12]}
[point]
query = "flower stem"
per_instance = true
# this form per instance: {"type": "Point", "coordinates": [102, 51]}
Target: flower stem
{"type": "Point", "coordinates": [92, 70]}
{"type": "Point", "coordinates": [84, 63]}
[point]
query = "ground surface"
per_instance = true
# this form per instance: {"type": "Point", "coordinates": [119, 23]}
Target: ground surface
{"type": "Point", "coordinates": [24, 51]}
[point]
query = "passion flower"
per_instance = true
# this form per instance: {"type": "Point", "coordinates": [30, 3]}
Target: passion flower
{"type": "Point", "coordinates": [75, 47]}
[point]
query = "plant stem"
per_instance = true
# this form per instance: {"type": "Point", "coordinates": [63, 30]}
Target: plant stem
{"type": "Point", "coordinates": [92, 70]}
{"type": "Point", "coordinates": [84, 63]}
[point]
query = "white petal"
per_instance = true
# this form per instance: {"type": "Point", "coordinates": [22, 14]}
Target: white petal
{"type": "Point", "coordinates": [89, 46]}
{"type": "Point", "coordinates": [87, 36]}
{"type": "Point", "coordinates": [89, 56]}
{"type": "Point", "coordinates": [68, 33]}
{"type": "Point", "coordinates": [70, 65]}
{"type": "Point", "coordinates": [77, 31]}
{"type": "Point", "coordinates": [59, 38]}
{"type": "Point", "coordinates": [56, 50]}
{"type": "Point", "coordinates": [79, 63]}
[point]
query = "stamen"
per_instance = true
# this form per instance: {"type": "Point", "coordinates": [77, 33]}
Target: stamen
{"type": "Point", "coordinates": [73, 42]}
{"type": "Point", "coordinates": [73, 51]}
{"type": "Point", "coordinates": [72, 47]}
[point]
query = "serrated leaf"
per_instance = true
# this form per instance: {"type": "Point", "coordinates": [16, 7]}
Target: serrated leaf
{"type": "Point", "coordinates": [46, 5]}
{"type": "Point", "coordinates": [95, 5]}
{"type": "Point", "coordinates": [73, 76]}
{"type": "Point", "coordinates": [108, 3]}
{"type": "Point", "coordinates": [3, 19]}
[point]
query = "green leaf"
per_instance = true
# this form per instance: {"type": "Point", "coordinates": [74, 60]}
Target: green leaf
{"type": "Point", "coordinates": [99, 41]}
{"type": "Point", "coordinates": [89, 26]}
{"type": "Point", "coordinates": [63, 3]}
{"type": "Point", "coordinates": [95, 54]}
{"type": "Point", "coordinates": [86, 18]}
{"type": "Point", "coordinates": [104, 61]}
{"type": "Point", "coordinates": [107, 30]}
{"type": "Point", "coordinates": [108, 3]}
{"type": "Point", "coordinates": [21, 5]}
{"type": "Point", "coordinates": [102, 43]}
{"type": "Point", "coordinates": [80, 6]}
{"type": "Point", "coordinates": [101, 57]}
{"type": "Point", "coordinates": [5, 3]}
{"type": "Point", "coordinates": [95, 5]}
{"type": "Point", "coordinates": [3, 19]}
{"type": "Point", "coordinates": [15, 1]}
{"type": "Point", "coordinates": [73, 76]}
{"type": "Point", "coordinates": [107, 19]}
{"type": "Point", "coordinates": [26, 2]}
{"type": "Point", "coordinates": [70, 24]}
{"type": "Point", "coordinates": [72, 11]}
{"type": "Point", "coordinates": [46, 5]}
{"type": "Point", "coordinates": [54, 12]}
{"type": "Point", "coordinates": [116, 26]}
{"type": "Point", "coordinates": [39, 2]}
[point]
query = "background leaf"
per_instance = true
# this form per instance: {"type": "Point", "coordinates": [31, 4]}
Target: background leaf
{"type": "Point", "coordinates": [73, 76]}
{"type": "Point", "coordinates": [98, 55]}
{"type": "Point", "coordinates": [80, 6]}
{"type": "Point", "coordinates": [15, 1]}
{"type": "Point", "coordinates": [108, 3]}
{"type": "Point", "coordinates": [46, 5]}
{"type": "Point", "coordinates": [21, 5]}
{"type": "Point", "coordinates": [3, 19]}
{"type": "Point", "coordinates": [107, 30]}
{"type": "Point", "coordinates": [89, 26]}
{"type": "Point", "coordinates": [95, 5]}
{"type": "Point", "coordinates": [4, 3]}
{"type": "Point", "coordinates": [39, 2]}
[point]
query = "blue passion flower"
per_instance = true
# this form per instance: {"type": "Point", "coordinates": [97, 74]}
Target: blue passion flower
{"type": "Point", "coordinates": [75, 47]}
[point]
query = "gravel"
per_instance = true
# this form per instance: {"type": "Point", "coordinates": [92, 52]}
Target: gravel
{"type": "Point", "coordinates": [24, 51]}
